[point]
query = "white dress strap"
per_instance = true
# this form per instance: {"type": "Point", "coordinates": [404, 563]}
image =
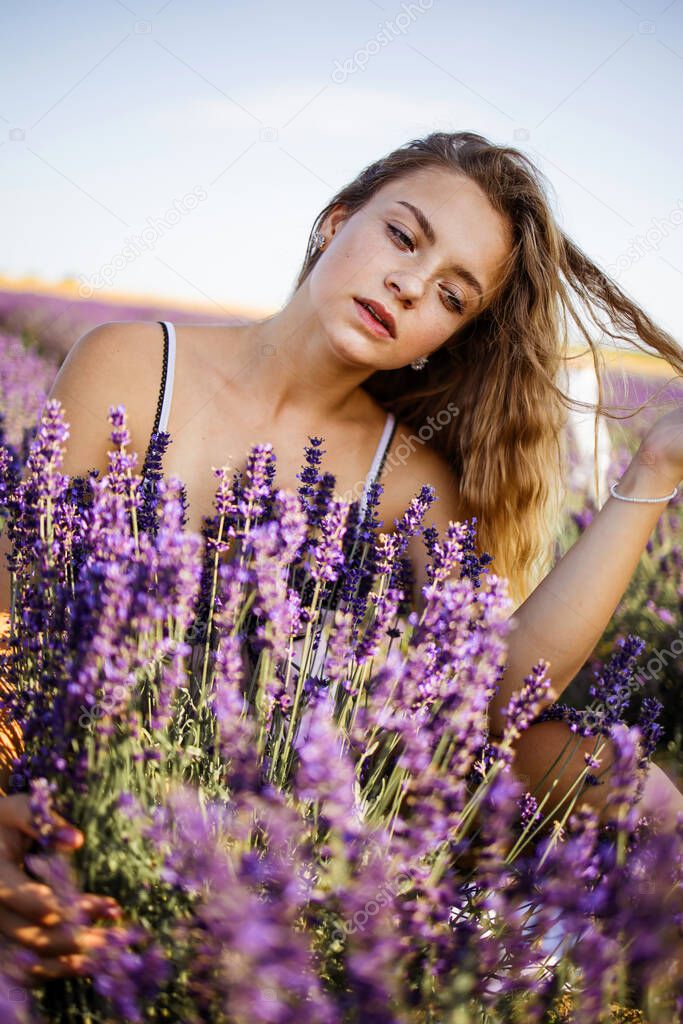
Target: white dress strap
{"type": "Point", "coordinates": [378, 459]}
{"type": "Point", "coordinates": [170, 371]}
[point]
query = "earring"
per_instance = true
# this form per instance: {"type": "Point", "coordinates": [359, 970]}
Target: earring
{"type": "Point", "coordinates": [419, 363]}
{"type": "Point", "coordinates": [318, 240]}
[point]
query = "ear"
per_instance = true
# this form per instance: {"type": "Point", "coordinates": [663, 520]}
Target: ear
{"type": "Point", "coordinates": [335, 219]}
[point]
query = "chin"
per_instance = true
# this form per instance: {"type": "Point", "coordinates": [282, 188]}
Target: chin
{"type": "Point", "coordinates": [351, 347]}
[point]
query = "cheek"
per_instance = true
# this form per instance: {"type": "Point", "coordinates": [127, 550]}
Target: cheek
{"type": "Point", "coordinates": [347, 268]}
{"type": "Point", "coordinates": [429, 329]}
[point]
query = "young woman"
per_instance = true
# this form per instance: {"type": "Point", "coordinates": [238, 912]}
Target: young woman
{"type": "Point", "coordinates": [433, 302]}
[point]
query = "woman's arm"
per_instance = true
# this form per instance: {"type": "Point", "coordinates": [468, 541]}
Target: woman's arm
{"type": "Point", "coordinates": [567, 613]}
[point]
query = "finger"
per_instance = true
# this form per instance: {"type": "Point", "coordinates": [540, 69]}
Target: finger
{"type": "Point", "coordinates": [60, 940]}
{"type": "Point", "coordinates": [15, 812]}
{"type": "Point", "coordinates": [18, 893]}
{"type": "Point", "coordinates": [96, 906]}
{"type": "Point", "coordinates": [74, 905]}
{"type": "Point", "coordinates": [46, 942]}
{"type": "Point", "coordinates": [39, 903]}
{"type": "Point", "coordinates": [73, 965]}
{"type": "Point", "coordinates": [89, 907]}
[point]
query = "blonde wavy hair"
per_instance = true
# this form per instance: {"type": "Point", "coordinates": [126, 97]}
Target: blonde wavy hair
{"type": "Point", "coordinates": [507, 445]}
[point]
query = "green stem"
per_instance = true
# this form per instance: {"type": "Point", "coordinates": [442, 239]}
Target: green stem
{"type": "Point", "coordinates": [300, 682]}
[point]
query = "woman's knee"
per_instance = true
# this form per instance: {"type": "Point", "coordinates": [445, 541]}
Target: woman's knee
{"type": "Point", "coordinates": [557, 765]}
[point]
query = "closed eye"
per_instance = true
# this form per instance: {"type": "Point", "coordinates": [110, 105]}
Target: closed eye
{"type": "Point", "coordinates": [453, 302]}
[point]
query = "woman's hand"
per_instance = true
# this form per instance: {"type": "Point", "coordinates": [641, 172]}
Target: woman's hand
{"type": "Point", "coordinates": [662, 448]}
{"type": "Point", "coordinates": [30, 913]}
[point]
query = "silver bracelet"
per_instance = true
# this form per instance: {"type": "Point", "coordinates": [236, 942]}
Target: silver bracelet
{"type": "Point", "coordinates": [621, 497]}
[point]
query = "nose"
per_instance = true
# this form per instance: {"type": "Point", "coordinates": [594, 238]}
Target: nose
{"type": "Point", "coordinates": [407, 287]}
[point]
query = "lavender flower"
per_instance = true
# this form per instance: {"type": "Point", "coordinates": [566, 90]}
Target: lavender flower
{"type": "Point", "coordinates": [327, 841]}
{"type": "Point", "coordinates": [327, 555]}
{"type": "Point", "coordinates": [41, 794]}
{"type": "Point", "coordinates": [152, 474]}
{"type": "Point", "coordinates": [524, 706]}
{"type": "Point", "coordinates": [128, 977]}
{"type": "Point", "coordinates": [258, 490]}
{"type": "Point", "coordinates": [624, 776]}
{"type": "Point", "coordinates": [310, 477]}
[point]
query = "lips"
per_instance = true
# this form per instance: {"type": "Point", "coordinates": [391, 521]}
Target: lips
{"type": "Point", "coordinates": [383, 314]}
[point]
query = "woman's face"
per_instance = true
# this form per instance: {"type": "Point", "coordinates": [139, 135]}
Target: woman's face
{"type": "Point", "coordinates": [431, 286]}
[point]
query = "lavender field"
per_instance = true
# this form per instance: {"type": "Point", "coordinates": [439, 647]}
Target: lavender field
{"type": "Point", "coordinates": [652, 607]}
{"type": "Point", "coordinates": [338, 845]}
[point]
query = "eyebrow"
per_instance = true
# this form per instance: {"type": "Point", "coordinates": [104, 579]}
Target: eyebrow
{"type": "Point", "coordinates": [430, 234]}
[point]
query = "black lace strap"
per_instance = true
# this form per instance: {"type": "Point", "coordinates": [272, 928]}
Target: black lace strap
{"type": "Point", "coordinates": [157, 418]}
{"type": "Point", "coordinates": [162, 390]}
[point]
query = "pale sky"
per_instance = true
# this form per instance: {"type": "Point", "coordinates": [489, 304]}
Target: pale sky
{"type": "Point", "coordinates": [220, 130]}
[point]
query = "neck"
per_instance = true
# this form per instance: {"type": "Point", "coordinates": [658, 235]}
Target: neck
{"type": "Point", "coordinates": [297, 367]}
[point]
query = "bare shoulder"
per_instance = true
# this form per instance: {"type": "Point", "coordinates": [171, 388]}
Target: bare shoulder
{"type": "Point", "coordinates": [114, 363]}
